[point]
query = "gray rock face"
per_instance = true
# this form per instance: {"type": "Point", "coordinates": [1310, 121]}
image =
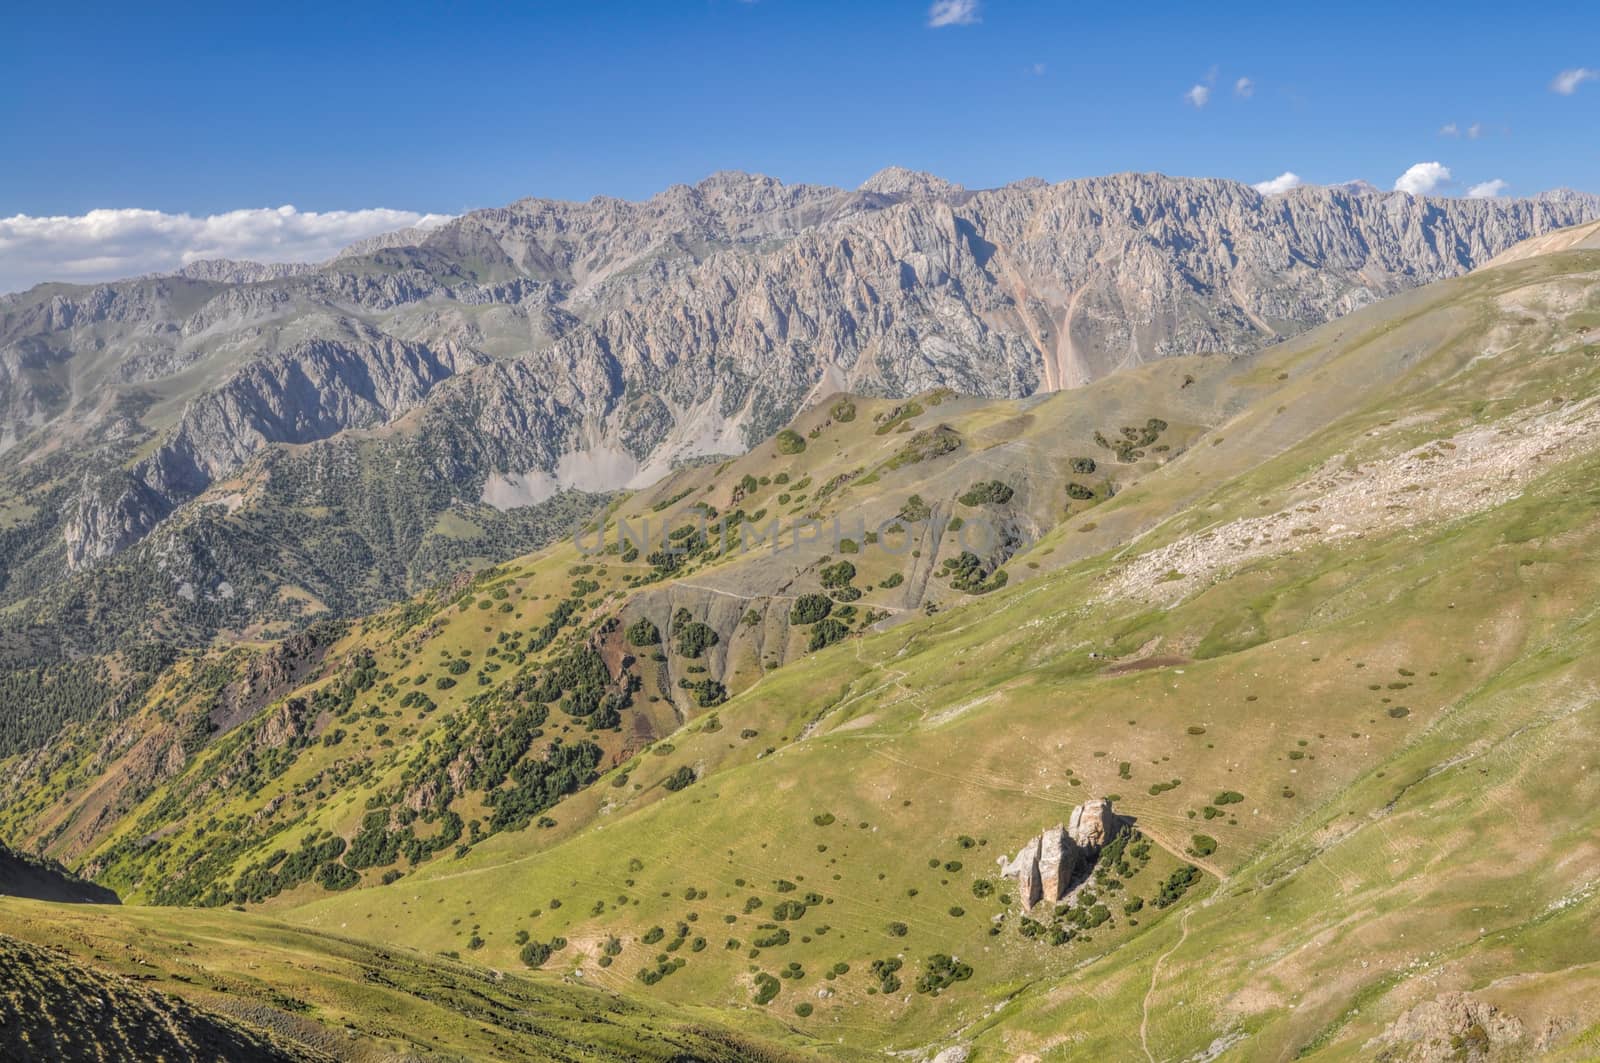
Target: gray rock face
{"type": "Point", "coordinates": [315, 390]}
{"type": "Point", "coordinates": [1049, 866]}
{"type": "Point", "coordinates": [1094, 824]}
{"type": "Point", "coordinates": [599, 342]}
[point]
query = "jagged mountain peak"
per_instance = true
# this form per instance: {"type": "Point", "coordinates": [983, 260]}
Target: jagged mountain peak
{"type": "Point", "coordinates": [901, 181]}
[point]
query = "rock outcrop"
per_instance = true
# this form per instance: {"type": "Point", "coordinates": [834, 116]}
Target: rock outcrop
{"type": "Point", "coordinates": [1451, 1026]}
{"type": "Point", "coordinates": [1049, 866]}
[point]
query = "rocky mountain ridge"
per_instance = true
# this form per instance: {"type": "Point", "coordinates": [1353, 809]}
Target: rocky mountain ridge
{"type": "Point", "coordinates": [593, 345]}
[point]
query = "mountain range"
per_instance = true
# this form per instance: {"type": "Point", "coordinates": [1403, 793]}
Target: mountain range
{"type": "Point", "coordinates": [416, 702]}
{"type": "Point", "coordinates": [590, 346]}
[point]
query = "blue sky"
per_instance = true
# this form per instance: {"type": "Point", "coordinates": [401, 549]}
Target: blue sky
{"type": "Point", "coordinates": [209, 108]}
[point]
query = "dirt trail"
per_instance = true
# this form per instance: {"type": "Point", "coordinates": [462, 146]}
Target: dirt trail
{"type": "Point", "coordinates": [1155, 973]}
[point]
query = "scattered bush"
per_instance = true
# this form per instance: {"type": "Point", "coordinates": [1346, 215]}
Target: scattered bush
{"type": "Point", "coordinates": [643, 633]}
{"type": "Point", "coordinates": [940, 972]}
{"type": "Point", "coordinates": [809, 608]}
{"type": "Point", "coordinates": [987, 492]}
{"type": "Point", "coordinates": [1176, 885]}
{"type": "Point", "coordinates": [694, 638]}
{"type": "Point", "coordinates": [826, 633]}
{"type": "Point", "coordinates": [883, 972]}
{"type": "Point", "coordinates": [838, 574]}
{"type": "Point", "coordinates": [333, 876]}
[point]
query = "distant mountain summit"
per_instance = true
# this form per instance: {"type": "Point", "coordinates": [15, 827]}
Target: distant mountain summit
{"type": "Point", "coordinates": [899, 181]}
{"type": "Point", "coordinates": [1358, 187]}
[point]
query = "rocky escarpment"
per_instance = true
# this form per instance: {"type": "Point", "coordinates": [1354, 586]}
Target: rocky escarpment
{"type": "Point", "coordinates": [313, 391]}
{"type": "Point", "coordinates": [1049, 866]}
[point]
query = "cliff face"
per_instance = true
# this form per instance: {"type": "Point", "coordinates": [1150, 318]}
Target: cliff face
{"type": "Point", "coordinates": [594, 344]}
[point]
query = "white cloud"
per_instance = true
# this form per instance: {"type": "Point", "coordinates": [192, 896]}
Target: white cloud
{"type": "Point", "coordinates": [1279, 184]}
{"type": "Point", "coordinates": [1244, 87]}
{"type": "Point", "coordinates": [105, 244]}
{"type": "Point", "coordinates": [1037, 70]}
{"type": "Point", "coordinates": [1567, 82]}
{"type": "Point", "coordinates": [1475, 130]}
{"type": "Point", "coordinates": [1487, 189]}
{"type": "Point", "coordinates": [1449, 129]}
{"type": "Point", "coordinates": [953, 13]}
{"type": "Point", "coordinates": [1423, 178]}
{"type": "Point", "coordinates": [1199, 95]}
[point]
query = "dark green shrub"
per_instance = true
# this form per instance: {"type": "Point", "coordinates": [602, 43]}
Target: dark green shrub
{"type": "Point", "coordinates": [940, 972]}
{"type": "Point", "coordinates": [809, 608]}
{"type": "Point", "coordinates": [694, 638]}
{"type": "Point", "coordinates": [838, 574]}
{"type": "Point", "coordinates": [643, 633]}
{"type": "Point", "coordinates": [770, 937]}
{"type": "Point", "coordinates": [1176, 885]}
{"type": "Point", "coordinates": [333, 876]}
{"type": "Point", "coordinates": [826, 633]}
{"type": "Point", "coordinates": [987, 492]}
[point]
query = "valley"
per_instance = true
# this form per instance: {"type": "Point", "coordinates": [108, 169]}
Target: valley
{"type": "Point", "coordinates": [1314, 615]}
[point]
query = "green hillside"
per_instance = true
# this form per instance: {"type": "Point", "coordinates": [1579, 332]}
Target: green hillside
{"type": "Point", "coordinates": [149, 983]}
{"type": "Point", "coordinates": [1318, 619]}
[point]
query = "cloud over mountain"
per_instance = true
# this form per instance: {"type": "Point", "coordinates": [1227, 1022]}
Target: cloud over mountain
{"type": "Point", "coordinates": [1423, 178]}
{"type": "Point", "coordinates": [1281, 183]}
{"type": "Point", "coordinates": [104, 244]}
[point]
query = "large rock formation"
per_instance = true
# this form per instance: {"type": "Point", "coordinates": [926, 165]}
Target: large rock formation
{"type": "Point", "coordinates": [1049, 866]}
